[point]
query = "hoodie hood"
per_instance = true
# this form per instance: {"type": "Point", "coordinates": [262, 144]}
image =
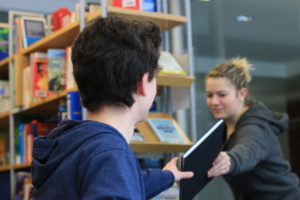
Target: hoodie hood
{"type": "Point", "coordinates": [259, 114]}
{"type": "Point", "coordinates": [50, 151]}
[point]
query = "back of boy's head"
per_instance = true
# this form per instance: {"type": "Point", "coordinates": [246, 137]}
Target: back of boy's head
{"type": "Point", "coordinates": [110, 56]}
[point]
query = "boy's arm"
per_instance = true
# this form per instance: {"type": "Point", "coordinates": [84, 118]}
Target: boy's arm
{"type": "Point", "coordinates": [156, 181]}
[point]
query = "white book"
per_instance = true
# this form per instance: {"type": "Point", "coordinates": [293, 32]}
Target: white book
{"type": "Point", "coordinates": [169, 64]}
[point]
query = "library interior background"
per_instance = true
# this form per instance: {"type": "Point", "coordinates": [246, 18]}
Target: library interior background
{"type": "Point", "coordinates": [222, 30]}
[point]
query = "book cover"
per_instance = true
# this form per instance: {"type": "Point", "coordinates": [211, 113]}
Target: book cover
{"type": "Point", "coordinates": [39, 77]}
{"type": "Point", "coordinates": [166, 130]}
{"type": "Point", "coordinates": [33, 29]}
{"type": "Point", "coordinates": [56, 69]}
{"type": "Point", "coordinates": [169, 64]}
{"type": "Point", "coordinates": [4, 32]}
{"type": "Point", "coordinates": [74, 108]}
{"type": "Point", "coordinates": [199, 159]}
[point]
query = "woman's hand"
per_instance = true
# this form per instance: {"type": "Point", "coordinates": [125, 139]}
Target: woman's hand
{"type": "Point", "coordinates": [171, 166]}
{"type": "Point", "coordinates": [221, 165]}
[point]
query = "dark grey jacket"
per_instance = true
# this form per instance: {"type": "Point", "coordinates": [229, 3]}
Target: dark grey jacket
{"type": "Point", "coordinates": [258, 170]}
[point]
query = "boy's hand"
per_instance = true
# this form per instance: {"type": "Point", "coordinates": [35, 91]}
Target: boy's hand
{"type": "Point", "coordinates": [172, 166]}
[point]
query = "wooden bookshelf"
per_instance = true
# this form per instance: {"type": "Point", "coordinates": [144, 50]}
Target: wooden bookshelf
{"type": "Point", "coordinates": [165, 21]}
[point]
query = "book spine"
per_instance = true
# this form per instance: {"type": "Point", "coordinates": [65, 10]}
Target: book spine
{"type": "Point", "coordinates": [74, 106]}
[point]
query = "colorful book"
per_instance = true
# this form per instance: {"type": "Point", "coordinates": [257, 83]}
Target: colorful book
{"type": "Point", "coordinates": [56, 69]}
{"type": "Point", "coordinates": [74, 107]}
{"type": "Point", "coordinates": [166, 130]}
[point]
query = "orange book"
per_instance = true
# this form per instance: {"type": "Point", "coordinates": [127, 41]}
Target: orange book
{"type": "Point", "coordinates": [39, 77]}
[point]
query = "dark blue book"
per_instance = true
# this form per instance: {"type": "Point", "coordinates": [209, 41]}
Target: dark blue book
{"type": "Point", "coordinates": [198, 159]}
{"type": "Point", "coordinates": [74, 107]}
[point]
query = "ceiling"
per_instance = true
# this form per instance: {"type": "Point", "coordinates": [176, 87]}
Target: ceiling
{"type": "Point", "coordinates": [272, 36]}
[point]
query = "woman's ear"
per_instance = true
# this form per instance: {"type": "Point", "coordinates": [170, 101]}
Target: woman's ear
{"type": "Point", "coordinates": [243, 93]}
{"type": "Point", "coordinates": [142, 85]}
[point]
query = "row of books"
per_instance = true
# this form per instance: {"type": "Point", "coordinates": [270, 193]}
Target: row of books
{"type": "Point", "coordinates": [49, 72]}
{"type": "Point", "coordinates": [26, 131]}
{"type": "Point", "coordinates": [24, 138]}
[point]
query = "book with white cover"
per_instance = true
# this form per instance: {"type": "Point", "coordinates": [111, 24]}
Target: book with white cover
{"type": "Point", "coordinates": [169, 64]}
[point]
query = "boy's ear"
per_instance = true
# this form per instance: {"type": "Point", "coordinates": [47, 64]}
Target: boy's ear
{"type": "Point", "coordinates": [142, 85]}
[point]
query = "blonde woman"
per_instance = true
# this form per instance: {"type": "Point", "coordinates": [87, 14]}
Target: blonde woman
{"type": "Point", "coordinates": [251, 159]}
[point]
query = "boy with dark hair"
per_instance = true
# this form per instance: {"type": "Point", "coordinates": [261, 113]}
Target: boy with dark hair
{"type": "Point", "coordinates": [115, 64]}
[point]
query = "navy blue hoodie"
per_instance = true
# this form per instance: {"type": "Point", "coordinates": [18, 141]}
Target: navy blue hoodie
{"type": "Point", "coordinates": [258, 170]}
{"type": "Point", "coordinates": [91, 160]}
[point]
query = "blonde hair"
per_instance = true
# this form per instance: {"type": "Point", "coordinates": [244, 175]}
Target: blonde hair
{"type": "Point", "coordinates": [235, 70]}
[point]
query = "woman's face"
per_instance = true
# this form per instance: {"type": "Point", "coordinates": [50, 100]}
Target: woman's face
{"type": "Point", "coordinates": [222, 98]}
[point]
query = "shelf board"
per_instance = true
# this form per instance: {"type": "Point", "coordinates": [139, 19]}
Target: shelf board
{"type": "Point", "coordinates": [174, 80]}
{"type": "Point", "coordinates": [165, 21]}
{"type": "Point", "coordinates": [5, 168]}
{"type": "Point", "coordinates": [48, 105]}
{"type": "Point", "coordinates": [58, 39]}
{"type": "Point", "coordinates": [162, 147]}
{"type": "Point", "coordinates": [21, 165]}
{"type": "Point", "coordinates": [4, 68]}
{"type": "Point", "coordinates": [4, 120]}
{"type": "Point", "coordinates": [152, 143]}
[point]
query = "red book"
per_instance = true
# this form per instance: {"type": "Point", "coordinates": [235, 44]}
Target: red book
{"type": "Point", "coordinates": [131, 4]}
